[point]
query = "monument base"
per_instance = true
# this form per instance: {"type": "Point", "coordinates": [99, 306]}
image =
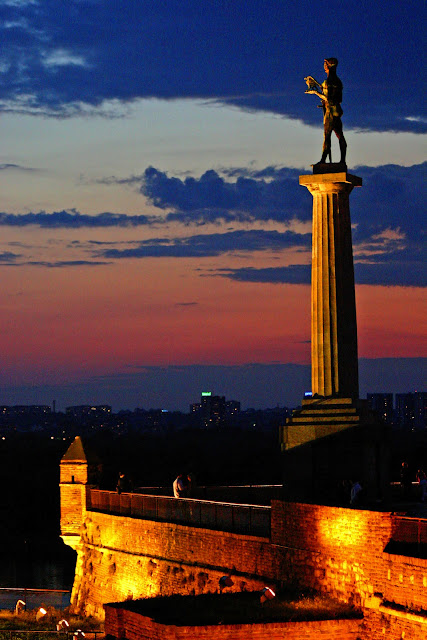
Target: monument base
{"type": "Point", "coordinates": [320, 417]}
{"type": "Point", "coordinates": [330, 443]}
{"type": "Point", "coordinates": [329, 167]}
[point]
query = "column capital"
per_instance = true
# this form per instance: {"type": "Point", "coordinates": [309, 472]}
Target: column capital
{"type": "Point", "coordinates": [329, 179]}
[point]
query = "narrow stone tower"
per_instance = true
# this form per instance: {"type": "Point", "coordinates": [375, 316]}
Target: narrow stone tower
{"type": "Point", "coordinates": [73, 487]}
{"type": "Point", "coordinates": [320, 441]}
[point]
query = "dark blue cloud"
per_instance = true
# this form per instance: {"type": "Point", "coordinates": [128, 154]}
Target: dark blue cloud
{"type": "Point", "coordinates": [405, 273]}
{"type": "Point", "coordinates": [61, 264]}
{"type": "Point", "coordinates": [208, 245]}
{"type": "Point", "coordinates": [388, 215]}
{"type": "Point", "coordinates": [7, 257]}
{"type": "Point", "coordinates": [59, 57]}
{"type": "Point", "coordinates": [72, 219]}
{"type": "Point", "coordinates": [12, 261]}
{"type": "Point", "coordinates": [211, 197]}
{"type": "Point", "coordinates": [392, 196]}
{"type": "Point", "coordinates": [293, 274]}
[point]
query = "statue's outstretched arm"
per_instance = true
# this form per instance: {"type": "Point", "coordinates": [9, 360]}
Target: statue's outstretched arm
{"type": "Point", "coordinates": [317, 93]}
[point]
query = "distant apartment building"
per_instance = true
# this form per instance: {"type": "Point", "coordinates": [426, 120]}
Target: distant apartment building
{"type": "Point", "coordinates": [382, 404]}
{"type": "Point", "coordinates": [33, 410]}
{"type": "Point", "coordinates": [232, 407]}
{"type": "Point", "coordinates": [213, 411]}
{"type": "Point", "coordinates": [420, 410]}
{"type": "Point", "coordinates": [84, 412]}
{"type": "Point", "coordinates": [411, 410]}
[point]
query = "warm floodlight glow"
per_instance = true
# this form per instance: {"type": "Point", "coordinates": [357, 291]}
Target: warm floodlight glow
{"type": "Point", "coordinates": [267, 594]}
{"type": "Point", "coordinates": [78, 634]}
{"type": "Point", "coordinates": [20, 606]}
{"type": "Point", "coordinates": [345, 527]}
{"type": "Point", "coordinates": [41, 613]}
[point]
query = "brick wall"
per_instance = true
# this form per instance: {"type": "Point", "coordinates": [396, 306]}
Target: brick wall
{"type": "Point", "coordinates": [341, 552]}
{"type": "Point", "coordinates": [121, 558]}
{"type": "Point", "coordinates": [333, 550]}
{"type": "Point", "coordinates": [73, 507]}
{"type": "Point", "coordinates": [130, 625]}
{"type": "Point", "coordinates": [72, 486]}
{"type": "Point", "coordinates": [74, 472]}
{"type": "Point", "coordinates": [379, 625]}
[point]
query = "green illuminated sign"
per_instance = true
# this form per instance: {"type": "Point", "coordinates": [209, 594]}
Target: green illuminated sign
{"type": "Point", "coordinates": [206, 393]}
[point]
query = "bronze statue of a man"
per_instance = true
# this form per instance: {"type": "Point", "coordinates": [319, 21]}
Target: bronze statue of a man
{"type": "Point", "coordinates": [330, 92]}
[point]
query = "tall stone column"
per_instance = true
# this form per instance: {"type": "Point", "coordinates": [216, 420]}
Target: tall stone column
{"type": "Point", "coordinates": [333, 437]}
{"type": "Point", "coordinates": [334, 366]}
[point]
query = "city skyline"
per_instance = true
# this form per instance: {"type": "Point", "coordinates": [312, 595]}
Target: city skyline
{"type": "Point", "coordinates": [155, 240]}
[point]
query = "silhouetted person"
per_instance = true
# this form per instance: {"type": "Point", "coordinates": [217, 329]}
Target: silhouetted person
{"type": "Point", "coordinates": [179, 487]}
{"type": "Point", "coordinates": [191, 484]}
{"type": "Point", "coordinates": [123, 484]}
{"type": "Point", "coordinates": [422, 481]}
{"type": "Point", "coordinates": [355, 494]}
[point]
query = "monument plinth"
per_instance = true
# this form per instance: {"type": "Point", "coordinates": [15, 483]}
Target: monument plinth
{"type": "Point", "coordinates": [333, 436]}
{"type": "Point", "coordinates": [334, 365]}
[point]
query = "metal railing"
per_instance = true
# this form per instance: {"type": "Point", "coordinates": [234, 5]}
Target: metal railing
{"type": "Point", "coordinates": [260, 494]}
{"type": "Point", "coordinates": [410, 531]}
{"type": "Point", "coordinates": [223, 516]}
{"type": "Point", "coordinates": [25, 634]}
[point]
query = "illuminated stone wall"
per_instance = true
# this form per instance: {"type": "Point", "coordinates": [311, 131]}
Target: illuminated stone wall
{"type": "Point", "coordinates": [73, 479]}
{"type": "Point", "coordinates": [133, 626]}
{"type": "Point", "coordinates": [121, 558]}
{"type": "Point", "coordinates": [341, 552]}
{"type": "Point", "coordinates": [334, 550]}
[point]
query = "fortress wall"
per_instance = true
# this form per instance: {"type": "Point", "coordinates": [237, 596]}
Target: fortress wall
{"type": "Point", "coordinates": [121, 558]}
{"type": "Point", "coordinates": [341, 552]}
{"type": "Point", "coordinates": [122, 623]}
{"type": "Point", "coordinates": [334, 550]}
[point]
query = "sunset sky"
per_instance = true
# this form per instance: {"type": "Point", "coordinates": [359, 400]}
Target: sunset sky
{"type": "Point", "coordinates": [155, 240]}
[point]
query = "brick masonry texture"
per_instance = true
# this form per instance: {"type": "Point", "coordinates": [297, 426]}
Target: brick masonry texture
{"type": "Point", "coordinates": [121, 558]}
{"type": "Point", "coordinates": [336, 551]}
{"type": "Point", "coordinates": [341, 552]}
{"type": "Point", "coordinates": [133, 626]}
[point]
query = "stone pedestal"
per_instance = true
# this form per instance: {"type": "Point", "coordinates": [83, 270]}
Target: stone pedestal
{"type": "Point", "coordinates": [333, 437]}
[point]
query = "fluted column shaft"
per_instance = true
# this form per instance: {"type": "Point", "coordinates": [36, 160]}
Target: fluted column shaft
{"type": "Point", "coordinates": [334, 365]}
